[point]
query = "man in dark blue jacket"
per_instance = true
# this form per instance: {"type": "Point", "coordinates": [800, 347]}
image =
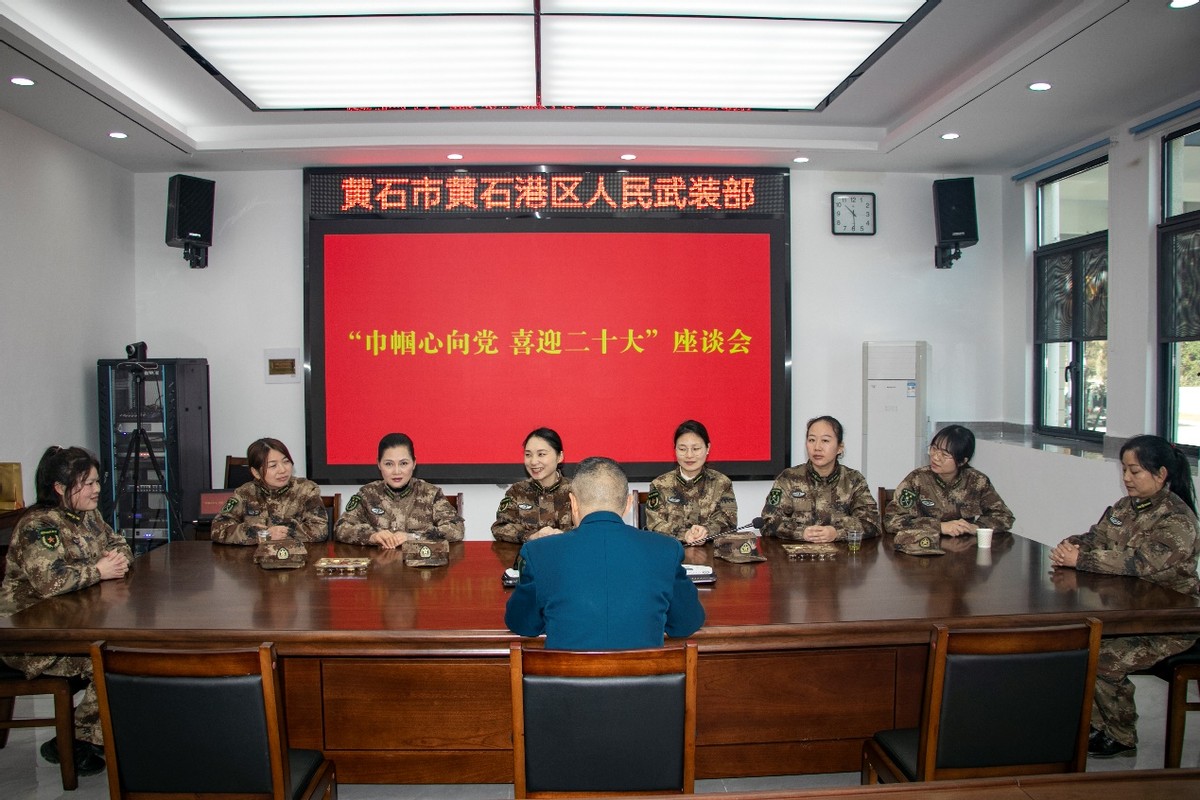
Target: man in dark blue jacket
{"type": "Point", "coordinates": [603, 585]}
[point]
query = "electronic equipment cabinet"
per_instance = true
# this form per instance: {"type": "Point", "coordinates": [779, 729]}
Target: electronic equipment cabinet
{"type": "Point", "coordinates": [155, 455]}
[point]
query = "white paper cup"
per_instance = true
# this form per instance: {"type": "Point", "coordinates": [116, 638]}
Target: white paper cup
{"type": "Point", "coordinates": [984, 537]}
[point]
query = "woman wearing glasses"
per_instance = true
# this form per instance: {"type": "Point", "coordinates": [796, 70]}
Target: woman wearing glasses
{"type": "Point", "coordinates": [947, 498]}
{"type": "Point", "coordinates": [692, 501]}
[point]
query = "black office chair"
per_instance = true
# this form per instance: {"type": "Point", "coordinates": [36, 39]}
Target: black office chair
{"type": "Point", "coordinates": [194, 723]}
{"type": "Point", "coordinates": [622, 721]}
{"type": "Point", "coordinates": [14, 684]}
{"type": "Point", "coordinates": [333, 509]}
{"type": "Point", "coordinates": [642, 497]}
{"type": "Point", "coordinates": [1178, 671]}
{"type": "Point", "coordinates": [237, 471]}
{"type": "Point", "coordinates": [1011, 701]}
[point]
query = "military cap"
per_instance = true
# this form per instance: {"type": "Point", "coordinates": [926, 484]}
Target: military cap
{"type": "Point", "coordinates": [738, 548]}
{"type": "Point", "coordinates": [426, 553]}
{"type": "Point", "coordinates": [287, 553]}
{"type": "Point", "coordinates": [924, 545]}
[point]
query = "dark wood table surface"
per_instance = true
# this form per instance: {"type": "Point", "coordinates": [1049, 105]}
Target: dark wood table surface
{"type": "Point", "coordinates": [401, 674]}
{"type": "Point", "coordinates": [203, 592]}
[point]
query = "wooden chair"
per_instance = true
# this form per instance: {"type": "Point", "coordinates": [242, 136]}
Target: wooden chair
{"type": "Point", "coordinates": [1010, 701]}
{"type": "Point", "coordinates": [199, 723]}
{"type": "Point", "coordinates": [885, 497]}
{"type": "Point", "coordinates": [1178, 671]}
{"type": "Point", "coordinates": [642, 498]}
{"type": "Point", "coordinates": [333, 508]}
{"type": "Point", "coordinates": [237, 471]}
{"type": "Point", "coordinates": [456, 500]}
{"type": "Point", "coordinates": [603, 723]}
{"type": "Point", "coordinates": [14, 684]}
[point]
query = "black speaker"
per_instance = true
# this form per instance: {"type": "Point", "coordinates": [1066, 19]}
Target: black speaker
{"type": "Point", "coordinates": [190, 211]}
{"type": "Point", "coordinates": [954, 212]}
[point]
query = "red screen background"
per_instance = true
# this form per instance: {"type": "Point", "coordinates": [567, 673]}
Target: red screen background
{"type": "Point", "coordinates": [476, 408]}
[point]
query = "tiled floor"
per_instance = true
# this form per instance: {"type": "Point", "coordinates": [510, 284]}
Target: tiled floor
{"type": "Point", "coordinates": [24, 776]}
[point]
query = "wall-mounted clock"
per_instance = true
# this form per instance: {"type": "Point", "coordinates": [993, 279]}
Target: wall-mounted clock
{"type": "Point", "coordinates": [852, 213]}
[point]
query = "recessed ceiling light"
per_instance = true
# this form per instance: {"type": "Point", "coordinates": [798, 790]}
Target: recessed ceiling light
{"type": "Point", "coordinates": [949, 136]}
{"type": "Point", "coordinates": [1183, 3]}
{"type": "Point", "coordinates": [118, 135]}
{"type": "Point", "coordinates": [454, 156]}
{"type": "Point", "coordinates": [800, 159]}
{"type": "Point", "coordinates": [1042, 86]}
{"type": "Point", "coordinates": [628, 157]}
{"type": "Point", "coordinates": [21, 81]}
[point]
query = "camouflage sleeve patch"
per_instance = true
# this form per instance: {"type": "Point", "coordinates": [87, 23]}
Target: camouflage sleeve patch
{"type": "Point", "coordinates": [355, 502]}
{"type": "Point", "coordinates": [653, 500]}
{"type": "Point", "coordinates": [907, 498]}
{"type": "Point", "coordinates": [774, 497]}
{"type": "Point", "coordinates": [506, 503]}
{"type": "Point", "coordinates": [230, 505]}
{"type": "Point", "coordinates": [49, 538]}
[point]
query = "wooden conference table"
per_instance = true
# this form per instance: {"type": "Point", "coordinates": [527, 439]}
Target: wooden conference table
{"type": "Point", "coordinates": [401, 674]}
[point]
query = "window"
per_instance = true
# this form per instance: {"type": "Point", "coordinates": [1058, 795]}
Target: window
{"type": "Point", "coordinates": [1179, 289]}
{"type": "Point", "coordinates": [1071, 303]}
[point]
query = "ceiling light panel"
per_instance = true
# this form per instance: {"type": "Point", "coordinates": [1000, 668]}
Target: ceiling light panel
{"type": "Point", "coordinates": [370, 62]}
{"type": "Point", "coordinates": [700, 62]}
{"type": "Point", "coordinates": [177, 9]}
{"type": "Point", "coordinates": [871, 10]}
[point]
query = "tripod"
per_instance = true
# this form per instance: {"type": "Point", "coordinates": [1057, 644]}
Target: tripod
{"type": "Point", "coordinates": [139, 441]}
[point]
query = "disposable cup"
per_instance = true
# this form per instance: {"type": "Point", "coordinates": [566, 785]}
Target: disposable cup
{"type": "Point", "coordinates": [984, 537]}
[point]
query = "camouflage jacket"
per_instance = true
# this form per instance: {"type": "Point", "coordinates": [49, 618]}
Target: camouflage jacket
{"type": "Point", "coordinates": [55, 551]}
{"type": "Point", "coordinates": [255, 508]}
{"type": "Point", "coordinates": [923, 501]}
{"type": "Point", "coordinates": [1154, 538]}
{"type": "Point", "coordinates": [419, 509]}
{"type": "Point", "coordinates": [801, 498]}
{"type": "Point", "coordinates": [527, 507]}
{"type": "Point", "coordinates": [675, 504]}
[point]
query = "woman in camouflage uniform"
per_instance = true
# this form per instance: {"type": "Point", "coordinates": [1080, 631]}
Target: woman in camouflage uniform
{"type": "Point", "coordinates": [388, 512]}
{"type": "Point", "coordinates": [821, 500]}
{"type": "Point", "coordinates": [947, 498]}
{"type": "Point", "coordinates": [540, 506]}
{"type": "Point", "coordinates": [691, 502]}
{"type": "Point", "coordinates": [276, 501]}
{"type": "Point", "coordinates": [1151, 534]}
{"type": "Point", "coordinates": [61, 545]}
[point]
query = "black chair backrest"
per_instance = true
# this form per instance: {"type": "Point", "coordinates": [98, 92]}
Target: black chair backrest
{"type": "Point", "coordinates": [237, 472]}
{"type": "Point", "coordinates": [1013, 708]}
{"type": "Point", "coordinates": [190, 734]}
{"type": "Point", "coordinates": [578, 728]}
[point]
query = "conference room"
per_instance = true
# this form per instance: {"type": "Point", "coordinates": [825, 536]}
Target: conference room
{"type": "Point", "coordinates": [88, 272]}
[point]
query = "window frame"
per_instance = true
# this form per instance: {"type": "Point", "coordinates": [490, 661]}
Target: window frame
{"type": "Point", "coordinates": [1076, 369]}
{"type": "Point", "coordinates": [1168, 410]}
{"type": "Point", "coordinates": [1165, 161]}
{"type": "Point", "coordinates": [1076, 429]}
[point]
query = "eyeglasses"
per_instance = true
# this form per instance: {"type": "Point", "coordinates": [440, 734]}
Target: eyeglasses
{"type": "Point", "coordinates": [939, 454]}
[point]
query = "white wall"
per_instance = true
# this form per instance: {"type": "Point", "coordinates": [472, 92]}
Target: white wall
{"type": "Point", "coordinates": [851, 289]}
{"type": "Point", "coordinates": [66, 289]}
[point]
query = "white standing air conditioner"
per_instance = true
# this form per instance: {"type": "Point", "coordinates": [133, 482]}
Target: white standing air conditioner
{"type": "Point", "coordinates": [895, 425]}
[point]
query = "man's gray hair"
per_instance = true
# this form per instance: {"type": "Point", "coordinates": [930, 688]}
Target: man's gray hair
{"type": "Point", "coordinates": [599, 484]}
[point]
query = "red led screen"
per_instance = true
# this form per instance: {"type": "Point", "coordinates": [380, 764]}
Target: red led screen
{"type": "Point", "coordinates": [468, 338]}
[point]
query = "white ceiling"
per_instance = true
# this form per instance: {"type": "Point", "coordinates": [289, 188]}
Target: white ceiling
{"type": "Point", "coordinates": [101, 66]}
